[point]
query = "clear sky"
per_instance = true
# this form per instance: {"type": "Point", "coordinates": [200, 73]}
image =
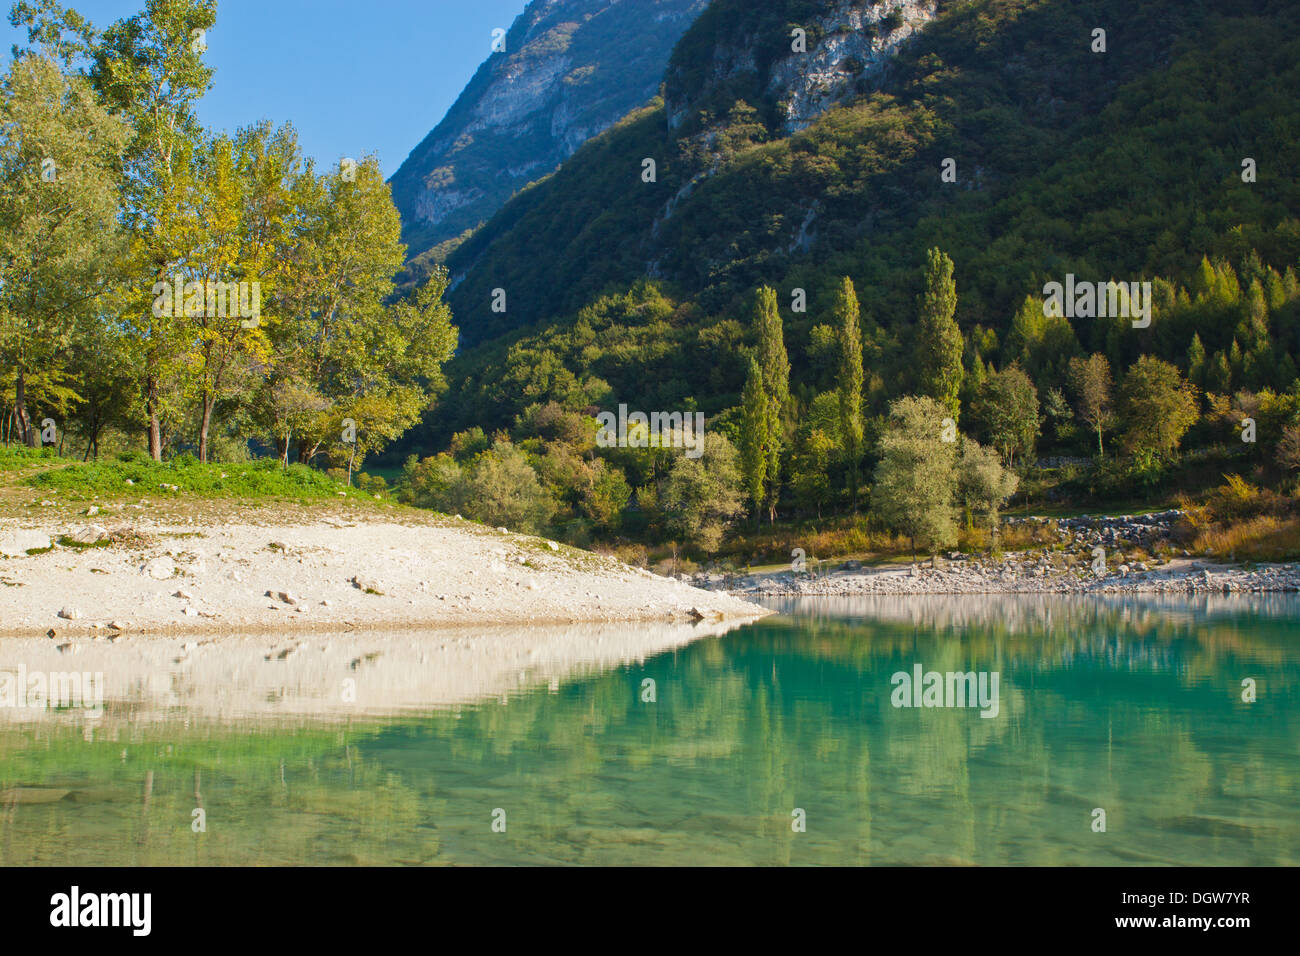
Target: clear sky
{"type": "Point", "coordinates": [354, 76]}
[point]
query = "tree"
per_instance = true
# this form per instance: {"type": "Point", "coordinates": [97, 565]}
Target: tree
{"type": "Point", "coordinates": [1156, 406]}
{"type": "Point", "coordinates": [241, 203]}
{"type": "Point", "coordinates": [775, 365]}
{"type": "Point", "coordinates": [1040, 343]}
{"type": "Point", "coordinates": [811, 483]}
{"type": "Point", "coordinates": [330, 329]}
{"type": "Point", "coordinates": [501, 488]}
{"type": "Point", "coordinates": [436, 483]}
{"type": "Point", "coordinates": [703, 495]}
{"type": "Point", "coordinates": [753, 435]}
{"type": "Point", "coordinates": [59, 244]}
{"type": "Point", "coordinates": [939, 340]}
{"type": "Point", "coordinates": [1288, 448]}
{"type": "Point", "coordinates": [916, 478]}
{"type": "Point", "coordinates": [1006, 409]}
{"type": "Point", "coordinates": [606, 495]}
{"type": "Point", "coordinates": [1091, 384]}
{"type": "Point", "coordinates": [149, 69]}
{"type": "Point", "coordinates": [983, 484]}
{"type": "Point", "coordinates": [850, 381]}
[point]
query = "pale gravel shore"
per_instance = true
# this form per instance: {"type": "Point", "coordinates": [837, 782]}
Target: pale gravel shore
{"type": "Point", "coordinates": [359, 572]}
{"type": "Point", "coordinates": [1177, 577]}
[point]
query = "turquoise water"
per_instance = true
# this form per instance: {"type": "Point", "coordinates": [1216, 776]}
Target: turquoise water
{"type": "Point", "coordinates": [776, 743]}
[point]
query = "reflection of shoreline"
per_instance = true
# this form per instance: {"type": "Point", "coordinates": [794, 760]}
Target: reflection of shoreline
{"type": "Point", "coordinates": [339, 675]}
{"type": "Point", "coordinates": [1015, 612]}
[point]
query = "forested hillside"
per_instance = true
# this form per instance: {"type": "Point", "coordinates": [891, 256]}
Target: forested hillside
{"type": "Point", "coordinates": [1158, 152]}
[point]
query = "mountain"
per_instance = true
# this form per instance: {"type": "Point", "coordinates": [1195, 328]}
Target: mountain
{"type": "Point", "coordinates": [793, 170]}
{"type": "Point", "coordinates": [569, 70]}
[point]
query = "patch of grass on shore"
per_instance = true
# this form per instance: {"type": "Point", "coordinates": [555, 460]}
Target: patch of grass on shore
{"type": "Point", "coordinates": [15, 457]}
{"type": "Point", "coordinates": [185, 476]}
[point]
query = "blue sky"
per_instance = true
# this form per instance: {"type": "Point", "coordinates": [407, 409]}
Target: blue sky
{"type": "Point", "coordinates": [354, 76]}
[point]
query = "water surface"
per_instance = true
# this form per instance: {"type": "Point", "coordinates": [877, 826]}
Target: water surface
{"type": "Point", "coordinates": [1132, 706]}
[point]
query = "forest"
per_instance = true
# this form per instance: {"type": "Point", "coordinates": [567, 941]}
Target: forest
{"type": "Point", "coordinates": [860, 308]}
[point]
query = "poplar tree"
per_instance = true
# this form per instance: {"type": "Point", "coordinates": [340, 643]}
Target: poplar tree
{"type": "Point", "coordinates": [850, 380]}
{"type": "Point", "coordinates": [775, 366]}
{"type": "Point", "coordinates": [939, 341]}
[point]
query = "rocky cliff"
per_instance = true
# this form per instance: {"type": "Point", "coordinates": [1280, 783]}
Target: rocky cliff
{"type": "Point", "coordinates": [569, 70]}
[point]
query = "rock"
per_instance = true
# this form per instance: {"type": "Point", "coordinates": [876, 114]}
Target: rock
{"type": "Point", "coordinates": [70, 614]}
{"type": "Point", "coordinates": [183, 595]}
{"type": "Point", "coordinates": [368, 585]}
{"type": "Point", "coordinates": [16, 544]}
{"type": "Point", "coordinates": [695, 614]}
{"type": "Point", "coordinates": [503, 530]}
{"type": "Point", "coordinates": [92, 534]}
{"type": "Point", "coordinates": [190, 612]}
{"type": "Point", "coordinates": [160, 569]}
{"type": "Point", "coordinates": [553, 546]}
{"type": "Point", "coordinates": [130, 482]}
{"type": "Point", "coordinates": [284, 597]}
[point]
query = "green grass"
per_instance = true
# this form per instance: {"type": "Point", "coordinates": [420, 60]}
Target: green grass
{"type": "Point", "coordinates": [265, 478]}
{"type": "Point", "coordinates": [14, 457]}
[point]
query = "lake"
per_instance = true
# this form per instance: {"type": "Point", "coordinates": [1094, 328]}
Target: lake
{"type": "Point", "coordinates": [1123, 734]}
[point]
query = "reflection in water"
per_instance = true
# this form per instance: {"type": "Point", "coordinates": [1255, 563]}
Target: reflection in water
{"type": "Point", "coordinates": [1129, 705]}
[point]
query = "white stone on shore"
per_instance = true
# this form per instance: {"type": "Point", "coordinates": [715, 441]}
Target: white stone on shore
{"type": "Point", "coordinates": [160, 569]}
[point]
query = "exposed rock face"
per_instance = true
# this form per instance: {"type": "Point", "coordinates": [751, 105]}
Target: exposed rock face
{"type": "Point", "coordinates": [845, 51]}
{"type": "Point", "coordinates": [569, 71]}
{"type": "Point", "coordinates": [858, 39]}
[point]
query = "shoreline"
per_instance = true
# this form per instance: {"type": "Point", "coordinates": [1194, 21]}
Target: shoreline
{"type": "Point", "coordinates": [1128, 548]}
{"type": "Point", "coordinates": [1181, 577]}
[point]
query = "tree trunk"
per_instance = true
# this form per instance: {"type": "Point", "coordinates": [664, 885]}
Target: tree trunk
{"type": "Point", "coordinates": [151, 408]}
{"type": "Point", "coordinates": [205, 426]}
{"type": "Point", "coordinates": [26, 434]}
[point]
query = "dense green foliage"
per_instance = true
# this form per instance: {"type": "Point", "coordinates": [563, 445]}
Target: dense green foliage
{"type": "Point", "coordinates": [1116, 165]}
{"type": "Point", "coordinates": [797, 288]}
{"type": "Point", "coordinates": [196, 290]}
